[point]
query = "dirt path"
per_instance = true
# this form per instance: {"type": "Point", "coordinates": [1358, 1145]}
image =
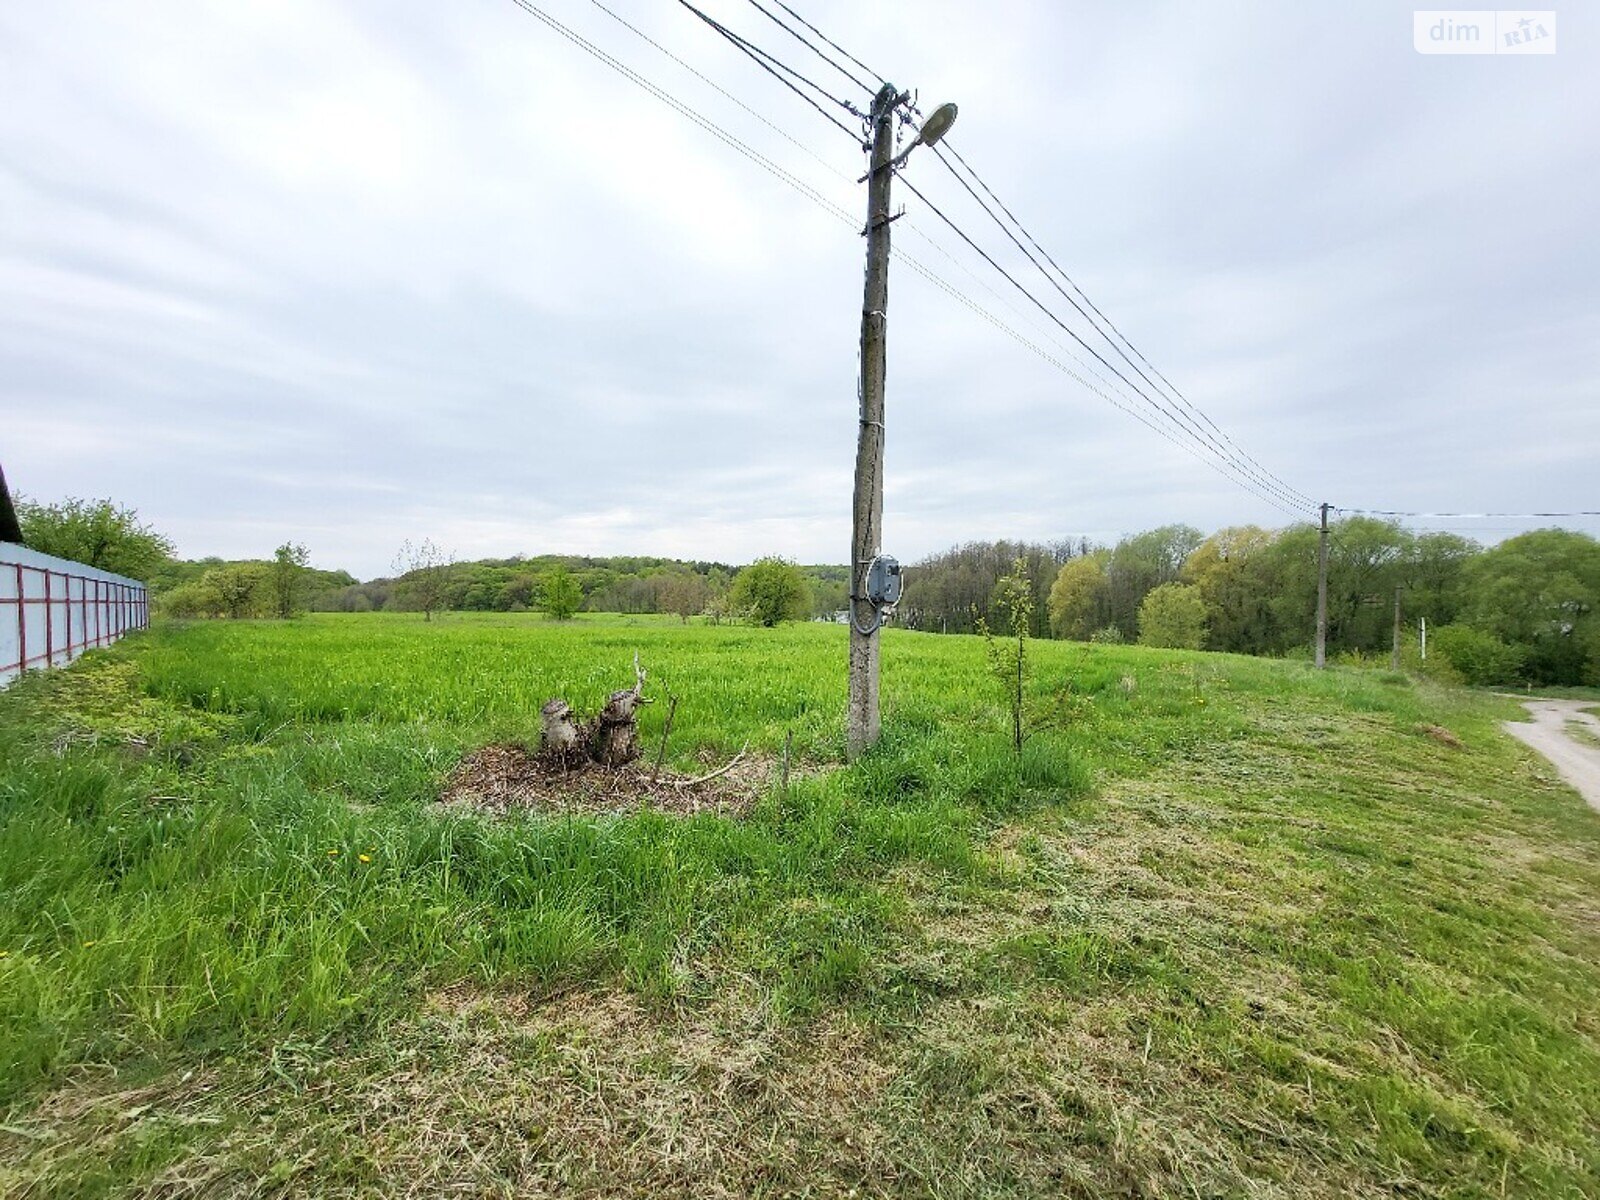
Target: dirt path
{"type": "Point", "coordinates": [1577, 762]}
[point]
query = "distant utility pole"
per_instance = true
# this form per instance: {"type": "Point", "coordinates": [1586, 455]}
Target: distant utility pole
{"type": "Point", "coordinates": [1322, 591]}
{"type": "Point", "coordinates": [1394, 660]}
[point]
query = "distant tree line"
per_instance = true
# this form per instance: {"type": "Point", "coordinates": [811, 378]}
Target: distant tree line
{"type": "Point", "coordinates": [951, 592]}
{"type": "Point", "coordinates": [577, 583]}
{"type": "Point", "coordinates": [427, 581]}
{"type": "Point", "coordinates": [1527, 609]}
{"type": "Point", "coordinates": [283, 586]}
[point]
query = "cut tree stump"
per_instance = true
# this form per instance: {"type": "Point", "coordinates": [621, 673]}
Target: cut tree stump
{"type": "Point", "coordinates": [611, 739]}
{"type": "Point", "coordinates": [558, 733]}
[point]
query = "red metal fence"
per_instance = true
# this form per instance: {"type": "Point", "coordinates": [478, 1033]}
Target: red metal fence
{"type": "Point", "coordinates": [50, 615]}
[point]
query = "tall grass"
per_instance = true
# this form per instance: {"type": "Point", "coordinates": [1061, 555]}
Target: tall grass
{"type": "Point", "coordinates": [227, 831]}
{"type": "Point", "coordinates": [1317, 917]}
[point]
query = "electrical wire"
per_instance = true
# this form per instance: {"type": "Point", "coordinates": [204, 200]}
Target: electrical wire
{"type": "Point", "coordinates": [873, 74]}
{"type": "Point", "coordinates": [1109, 324]}
{"type": "Point", "coordinates": [1240, 477]}
{"type": "Point", "coordinates": [1471, 516]}
{"type": "Point", "coordinates": [685, 110]}
{"type": "Point", "coordinates": [1140, 415]}
{"type": "Point", "coordinates": [725, 93]}
{"type": "Point", "coordinates": [809, 45]}
{"type": "Point", "coordinates": [1270, 483]}
{"type": "Point", "coordinates": [799, 185]}
{"type": "Point", "coordinates": [762, 59]}
{"type": "Point", "coordinates": [1047, 333]}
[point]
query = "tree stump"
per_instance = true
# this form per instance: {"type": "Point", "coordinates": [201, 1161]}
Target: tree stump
{"type": "Point", "coordinates": [558, 733]}
{"type": "Point", "coordinates": [611, 739]}
{"type": "Point", "coordinates": [614, 736]}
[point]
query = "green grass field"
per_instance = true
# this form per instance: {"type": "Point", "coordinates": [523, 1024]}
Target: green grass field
{"type": "Point", "coordinates": [1228, 927]}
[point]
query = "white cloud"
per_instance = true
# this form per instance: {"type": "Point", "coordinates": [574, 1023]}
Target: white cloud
{"type": "Point", "coordinates": [361, 272]}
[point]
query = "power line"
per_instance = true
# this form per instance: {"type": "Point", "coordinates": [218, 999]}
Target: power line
{"type": "Point", "coordinates": [673, 102]}
{"type": "Point", "coordinates": [912, 262]}
{"type": "Point", "coordinates": [724, 92]}
{"type": "Point", "coordinates": [808, 44]}
{"type": "Point", "coordinates": [1184, 400]}
{"type": "Point", "coordinates": [839, 213]}
{"type": "Point", "coordinates": [873, 74]}
{"type": "Point", "coordinates": [1240, 477]}
{"type": "Point", "coordinates": [761, 58]}
{"type": "Point", "coordinates": [1265, 478]}
{"type": "Point", "coordinates": [1188, 447]}
{"type": "Point", "coordinates": [1465, 516]}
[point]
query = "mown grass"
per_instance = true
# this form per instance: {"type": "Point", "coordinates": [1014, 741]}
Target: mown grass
{"type": "Point", "coordinates": [1228, 927]}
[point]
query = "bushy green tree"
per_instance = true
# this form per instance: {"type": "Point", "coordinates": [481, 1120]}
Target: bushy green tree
{"type": "Point", "coordinates": [561, 593]}
{"type": "Point", "coordinates": [1174, 616]}
{"type": "Point", "coordinates": [194, 599]}
{"type": "Point", "coordinates": [1144, 561]}
{"type": "Point", "coordinates": [1479, 658]}
{"type": "Point", "coordinates": [1234, 574]}
{"type": "Point", "coordinates": [1541, 591]}
{"type": "Point", "coordinates": [288, 574]}
{"type": "Point", "coordinates": [98, 533]}
{"type": "Point", "coordinates": [1367, 560]}
{"type": "Point", "coordinates": [1434, 575]}
{"type": "Point", "coordinates": [771, 590]}
{"type": "Point", "coordinates": [1078, 597]}
{"type": "Point", "coordinates": [237, 587]}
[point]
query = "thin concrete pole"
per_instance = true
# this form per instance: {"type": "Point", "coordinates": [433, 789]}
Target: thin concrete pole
{"type": "Point", "coordinates": [1394, 660]}
{"type": "Point", "coordinates": [1322, 591]}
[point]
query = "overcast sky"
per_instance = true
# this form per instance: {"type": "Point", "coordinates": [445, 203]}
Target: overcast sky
{"type": "Point", "coordinates": [348, 273]}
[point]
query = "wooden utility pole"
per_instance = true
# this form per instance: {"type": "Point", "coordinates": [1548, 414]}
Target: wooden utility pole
{"type": "Point", "coordinates": [1322, 591]}
{"type": "Point", "coordinates": [866, 528]}
{"type": "Point", "coordinates": [1394, 660]}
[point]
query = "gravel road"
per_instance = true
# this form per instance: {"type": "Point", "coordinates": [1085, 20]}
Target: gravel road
{"type": "Point", "coordinates": [1577, 762]}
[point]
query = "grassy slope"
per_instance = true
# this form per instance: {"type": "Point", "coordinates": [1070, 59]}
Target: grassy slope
{"type": "Point", "coordinates": [1233, 928]}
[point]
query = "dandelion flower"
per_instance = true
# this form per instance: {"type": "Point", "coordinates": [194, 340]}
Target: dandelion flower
{"type": "Point", "coordinates": [333, 854]}
{"type": "Point", "coordinates": [364, 857]}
